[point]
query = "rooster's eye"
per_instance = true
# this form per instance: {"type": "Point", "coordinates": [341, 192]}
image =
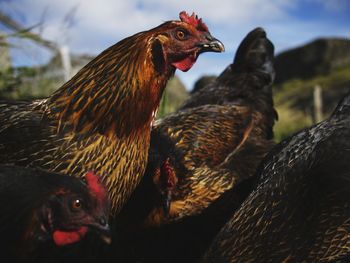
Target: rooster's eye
{"type": "Point", "coordinates": [77, 203]}
{"type": "Point", "coordinates": [180, 34]}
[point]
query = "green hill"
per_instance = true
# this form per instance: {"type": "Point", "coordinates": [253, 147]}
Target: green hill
{"type": "Point", "coordinates": [324, 63]}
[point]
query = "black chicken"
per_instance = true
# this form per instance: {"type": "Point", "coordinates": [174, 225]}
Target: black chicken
{"type": "Point", "coordinates": [199, 154]}
{"type": "Point", "coordinates": [300, 209]}
{"type": "Point", "coordinates": [42, 211]}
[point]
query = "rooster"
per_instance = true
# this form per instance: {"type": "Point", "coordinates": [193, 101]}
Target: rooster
{"type": "Point", "coordinates": [202, 153]}
{"type": "Point", "coordinates": [41, 210]}
{"type": "Point", "coordinates": [100, 119]}
{"type": "Point", "coordinates": [300, 209]}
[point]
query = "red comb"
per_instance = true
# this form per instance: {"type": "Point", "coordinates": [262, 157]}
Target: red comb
{"type": "Point", "coordinates": [193, 20]}
{"type": "Point", "coordinates": [96, 187]}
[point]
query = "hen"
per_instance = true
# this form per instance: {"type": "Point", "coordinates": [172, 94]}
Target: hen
{"type": "Point", "coordinates": [100, 119]}
{"type": "Point", "coordinates": [300, 209]}
{"type": "Point", "coordinates": [42, 210]}
{"type": "Point", "coordinates": [200, 153]}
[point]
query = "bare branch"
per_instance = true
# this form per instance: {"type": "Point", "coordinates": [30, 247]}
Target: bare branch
{"type": "Point", "coordinates": [25, 32]}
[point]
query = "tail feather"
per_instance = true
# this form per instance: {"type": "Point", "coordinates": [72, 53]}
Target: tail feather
{"type": "Point", "coordinates": [343, 106]}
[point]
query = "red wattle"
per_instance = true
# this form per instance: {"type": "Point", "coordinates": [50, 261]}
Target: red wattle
{"type": "Point", "coordinates": [185, 64]}
{"type": "Point", "coordinates": [63, 238]}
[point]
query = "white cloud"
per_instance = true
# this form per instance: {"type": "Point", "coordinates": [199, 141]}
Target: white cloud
{"type": "Point", "coordinates": [333, 5]}
{"type": "Point", "coordinates": [100, 23]}
{"type": "Point", "coordinates": [110, 18]}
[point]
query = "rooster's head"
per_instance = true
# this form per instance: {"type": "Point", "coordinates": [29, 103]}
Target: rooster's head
{"type": "Point", "coordinates": [180, 42]}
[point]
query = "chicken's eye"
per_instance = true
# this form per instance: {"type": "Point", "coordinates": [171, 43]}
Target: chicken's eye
{"type": "Point", "coordinates": [181, 35]}
{"type": "Point", "coordinates": [77, 204]}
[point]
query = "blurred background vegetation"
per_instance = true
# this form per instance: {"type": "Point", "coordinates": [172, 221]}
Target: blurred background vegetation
{"type": "Point", "coordinates": [316, 73]}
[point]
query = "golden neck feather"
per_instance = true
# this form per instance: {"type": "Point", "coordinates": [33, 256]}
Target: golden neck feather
{"type": "Point", "coordinates": [115, 94]}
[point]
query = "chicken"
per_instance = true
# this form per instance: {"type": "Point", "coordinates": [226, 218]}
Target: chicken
{"type": "Point", "coordinates": [300, 209]}
{"type": "Point", "coordinates": [41, 210]}
{"type": "Point", "coordinates": [100, 119]}
{"type": "Point", "coordinates": [200, 154]}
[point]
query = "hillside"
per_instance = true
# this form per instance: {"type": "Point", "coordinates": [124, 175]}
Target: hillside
{"type": "Point", "coordinates": [319, 57]}
{"type": "Point", "coordinates": [324, 63]}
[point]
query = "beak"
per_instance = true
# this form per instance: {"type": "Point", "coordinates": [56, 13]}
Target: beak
{"type": "Point", "coordinates": [103, 230]}
{"type": "Point", "coordinates": [106, 238]}
{"type": "Point", "coordinates": [212, 45]}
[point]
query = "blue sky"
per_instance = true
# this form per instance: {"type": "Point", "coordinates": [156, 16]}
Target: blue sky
{"type": "Point", "coordinates": [97, 24]}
